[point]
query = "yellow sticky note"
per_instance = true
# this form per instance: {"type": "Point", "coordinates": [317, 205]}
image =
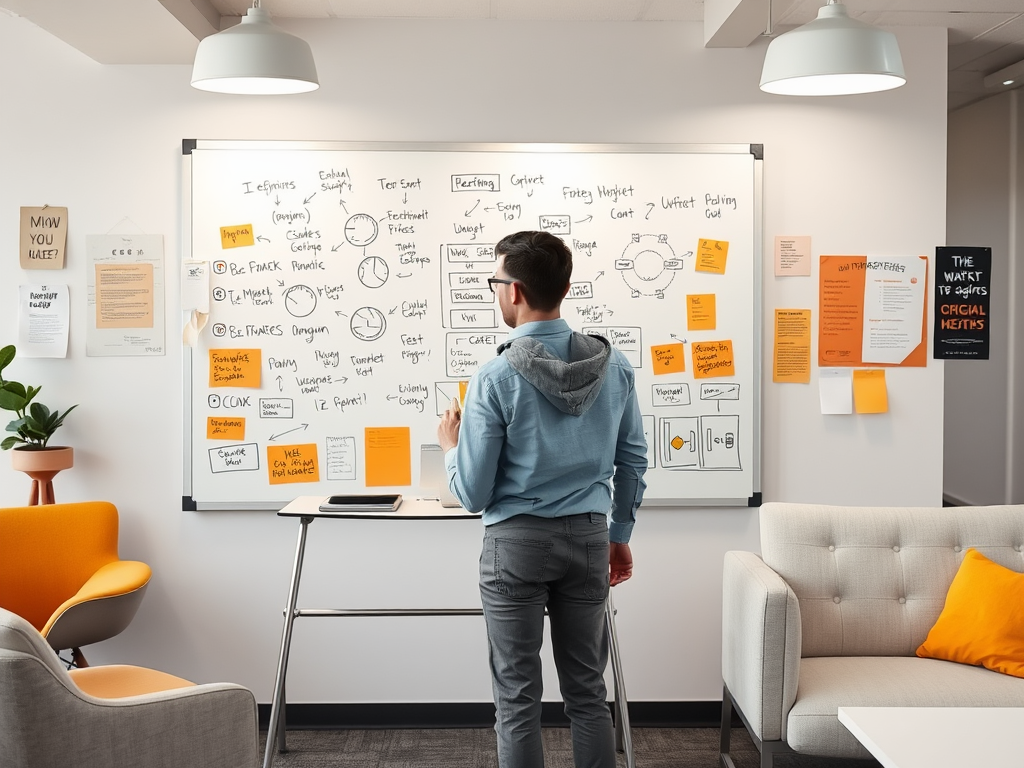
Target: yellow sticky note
{"type": "Point", "coordinates": [388, 458]}
{"type": "Point", "coordinates": [711, 256]}
{"type": "Point", "coordinates": [235, 368]}
{"type": "Point", "coordinates": [869, 393]}
{"type": "Point", "coordinates": [463, 386]}
{"type": "Point", "coordinates": [668, 358]}
{"type": "Point", "coordinates": [712, 358]}
{"type": "Point", "coordinates": [292, 464]}
{"type": "Point", "coordinates": [236, 236]}
{"type": "Point", "coordinates": [225, 428]}
{"type": "Point", "coordinates": [700, 312]}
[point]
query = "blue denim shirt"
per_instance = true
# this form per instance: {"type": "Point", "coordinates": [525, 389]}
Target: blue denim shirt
{"type": "Point", "coordinates": [519, 454]}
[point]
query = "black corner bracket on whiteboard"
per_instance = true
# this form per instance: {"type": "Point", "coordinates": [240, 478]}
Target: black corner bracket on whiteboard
{"type": "Point", "coordinates": [188, 504]}
{"type": "Point", "coordinates": [187, 145]}
{"type": "Point", "coordinates": [757, 150]}
{"type": "Point", "coordinates": [755, 500]}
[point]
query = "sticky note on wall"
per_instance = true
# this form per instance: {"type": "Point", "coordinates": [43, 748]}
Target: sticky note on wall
{"type": "Point", "coordinates": [712, 358]}
{"type": "Point", "coordinates": [235, 368]}
{"type": "Point", "coordinates": [388, 457]}
{"type": "Point", "coordinates": [225, 428]}
{"type": "Point", "coordinates": [869, 392]}
{"type": "Point", "coordinates": [292, 464]}
{"type": "Point", "coordinates": [236, 236]}
{"type": "Point", "coordinates": [711, 256]}
{"type": "Point", "coordinates": [668, 358]}
{"type": "Point", "coordinates": [700, 312]}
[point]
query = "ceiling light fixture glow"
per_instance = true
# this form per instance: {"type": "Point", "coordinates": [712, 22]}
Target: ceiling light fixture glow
{"type": "Point", "coordinates": [833, 55]}
{"type": "Point", "coordinates": [254, 57]}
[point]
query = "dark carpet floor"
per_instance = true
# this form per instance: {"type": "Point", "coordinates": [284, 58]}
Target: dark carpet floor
{"type": "Point", "coordinates": [474, 748]}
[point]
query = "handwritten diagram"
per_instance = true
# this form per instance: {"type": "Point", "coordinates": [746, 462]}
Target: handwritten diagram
{"type": "Point", "coordinates": [350, 304]}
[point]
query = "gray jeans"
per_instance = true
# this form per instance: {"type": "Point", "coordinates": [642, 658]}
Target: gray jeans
{"type": "Point", "coordinates": [529, 563]}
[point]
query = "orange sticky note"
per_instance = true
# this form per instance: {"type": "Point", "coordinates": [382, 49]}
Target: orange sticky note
{"type": "Point", "coordinates": [236, 236]}
{"type": "Point", "coordinates": [869, 393]}
{"type": "Point", "coordinates": [711, 256]}
{"type": "Point", "coordinates": [712, 358]}
{"type": "Point", "coordinates": [463, 386]}
{"type": "Point", "coordinates": [668, 358]}
{"type": "Point", "coordinates": [388, 458]}
{"type": "Point", "coordinates": [292, 464]}
{"type": "Point", "coordinates": [700, 312]}
{"type": "Point", "coordinates": [235, 368]}
{"type": "Point", "coordinates": [225, 428]}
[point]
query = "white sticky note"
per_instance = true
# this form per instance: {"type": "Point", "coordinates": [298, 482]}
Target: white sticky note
{"type": "Point", "coordinates": [835, 387]}
{"type": "Point", "coordinates": [195, 286]}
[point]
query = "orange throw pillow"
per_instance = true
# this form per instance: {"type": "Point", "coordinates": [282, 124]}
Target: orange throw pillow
{"type": "Point", "coordinates": [982, 622]}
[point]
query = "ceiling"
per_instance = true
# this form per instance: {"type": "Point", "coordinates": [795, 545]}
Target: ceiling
{"type": "Point", "coordinates": [984, 35]}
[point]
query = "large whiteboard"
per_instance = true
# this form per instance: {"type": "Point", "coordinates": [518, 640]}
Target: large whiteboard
{"type": "Point", "coordinates": [348, 289]}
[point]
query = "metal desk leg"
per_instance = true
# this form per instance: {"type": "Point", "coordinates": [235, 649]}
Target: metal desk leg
{"type": "Point", "coordinates": [277, 720]}
{"type": "Point", "coordinates": [623, 735]}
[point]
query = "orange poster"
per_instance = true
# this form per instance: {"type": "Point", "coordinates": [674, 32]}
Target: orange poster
{"type": "Point", "coordinates": [792, 364]}
{"type": "Point", "coordinates": [388, 457]}
{"type": "Point", "coordinates": [292, 464]}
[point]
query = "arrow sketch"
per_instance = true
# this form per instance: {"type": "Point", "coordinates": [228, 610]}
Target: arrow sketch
{"type": "Point", "coordinates": [471, 209]}
{"type": "Point", "coordinates": [261, 237]}
{"type": "Point", "coordinates": [272, 438]}
{"type": "Point", "coordinates": [306, 201]}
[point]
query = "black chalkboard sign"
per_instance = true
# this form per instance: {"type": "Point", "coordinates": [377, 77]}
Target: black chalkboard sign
{"type": "Point", "coordinates": [963, 277]}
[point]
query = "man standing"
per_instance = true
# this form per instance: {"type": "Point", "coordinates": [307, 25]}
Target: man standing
{"type": "Point", "coordinates": [546, 425]}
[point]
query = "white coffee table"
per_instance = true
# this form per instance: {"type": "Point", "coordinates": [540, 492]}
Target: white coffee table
{"type": "Point", "coordinates": [939, 737]}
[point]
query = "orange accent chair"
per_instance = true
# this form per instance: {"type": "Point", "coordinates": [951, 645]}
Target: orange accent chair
{"type": "Point", "coordinates": [59, 570]}
{"type": "Point", "coordinates": [114, 715]}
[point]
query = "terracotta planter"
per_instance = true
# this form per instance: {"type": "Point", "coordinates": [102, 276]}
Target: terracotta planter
{"type": "Point", "coordinates": [42, 465]}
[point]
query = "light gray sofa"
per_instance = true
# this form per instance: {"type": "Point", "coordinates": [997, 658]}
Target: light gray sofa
{"type": "Point", "coordinates": [833, 610]}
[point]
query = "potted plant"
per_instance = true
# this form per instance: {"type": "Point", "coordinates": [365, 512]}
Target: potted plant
{"type": "Point", "coordinates": [33, 428]}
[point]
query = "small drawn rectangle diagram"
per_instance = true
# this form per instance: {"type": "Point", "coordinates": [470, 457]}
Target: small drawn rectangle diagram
{"type": "Point", "coordinates": [670, 394]}
{"type": "Point", "coordinates": [276, 408]}
{"type": "Point", "coordinates": [555, 224]}
{"type": "Point", "coordinates": [472, 296]}
{"type": "Point", "coordinates": [583, 290]}
{"type": "Point", "coordinates": [341, 458]}
{"type": "Point", "coordinates": [476, 182]}
{"type": "Point", "coordinates": [719, 391]}
{"type": "Point", "coordinates": [472, 318]}
{"type": "Point", "coordinates": [468, 280]}
{"type": "Point", "coordinates": [468, 253]}
{"type": "Point", "coordinates": [242, 457]}
{"type": "Point", "coordinates": [465, 352]}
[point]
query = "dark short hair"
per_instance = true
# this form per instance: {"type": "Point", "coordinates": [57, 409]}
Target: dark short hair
{"type": "Point", "coordinates": [541, 263]}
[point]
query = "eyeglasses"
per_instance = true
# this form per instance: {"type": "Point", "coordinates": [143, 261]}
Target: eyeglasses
{"type": "Point", "coordinates": [492, 281]}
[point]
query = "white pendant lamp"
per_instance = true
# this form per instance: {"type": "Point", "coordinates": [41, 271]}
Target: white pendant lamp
{"type": "Point", "coordinates": [833, 55]}
{"type": "Point", "coordinates": [254, 57]}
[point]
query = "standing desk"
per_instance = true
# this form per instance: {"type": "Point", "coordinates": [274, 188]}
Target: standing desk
{"type": "Point", "coordinates": [307, 509]}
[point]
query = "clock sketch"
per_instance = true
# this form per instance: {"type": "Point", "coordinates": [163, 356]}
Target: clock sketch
{"type": "Point", "coordinates": [368, 324]}
{"type": "Point", "coordinates": [361, 229]}
{"type": "Point", "coordinates": [300, 300]}
{"type": "Point", "coordinates": [373, 272]}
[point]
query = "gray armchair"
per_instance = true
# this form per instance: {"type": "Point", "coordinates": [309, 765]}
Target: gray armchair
{"type": "Point", "coordinates": [107, 716]}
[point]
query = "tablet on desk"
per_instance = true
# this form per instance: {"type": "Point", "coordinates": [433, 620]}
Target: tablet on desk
{"type": "Point", "coordinates": [386, 502]}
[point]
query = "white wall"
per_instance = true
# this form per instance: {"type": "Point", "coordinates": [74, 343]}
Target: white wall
{"type": "Point", "coordinates": [984, 403]}
{"type": "Point", "coordinates": [858, 174]}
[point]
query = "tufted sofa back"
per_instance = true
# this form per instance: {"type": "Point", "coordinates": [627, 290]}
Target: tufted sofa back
{"type": "Point", "coordinates": [871, 581]}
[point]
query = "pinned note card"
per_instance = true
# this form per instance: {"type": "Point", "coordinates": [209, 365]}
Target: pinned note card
{"type": "Point", "coordinates": [225, 428]}
{"type": "Point", "coordinates": [668, 358]}
{"type": "Point", "coordinates": [292, 464]}
{"type": "Point", "coordinates": [711, 256]}
{"type": "Point", "coordinates": [236, 236]}
{"type": "Point", "coordinates": [700, 312]}
{"type": "Point", "coordinates": [712, 358]}
{"type": "Point", "coordinates": [835, 390]}
{"type": "Point", "coordinates": [388, 456]}
{"type": "Point", "coordinates": [235, 368]}
{"type": "Point", "coordinates": [44, 237]}
{"type": "Point", "coordinates": [869, 393]}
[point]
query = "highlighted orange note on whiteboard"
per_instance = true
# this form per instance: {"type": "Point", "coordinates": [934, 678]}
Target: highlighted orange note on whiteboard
{"type": "Point", "coordinates": [668, 358]}
{"type": "Point", "coordinates": [712, 358]}
{"type": "Point", "coordinates": [225, 428]}
{"type": "Point", "coordinates": [711, 256]}
{"type": "Point", "coordinates": [700, 312]}
{"type": "Point", "coordinates": [236, 236]}
{"type": "Point", "coordinates": [388, 458]}
{"type": "Point", "coordinates": [292, 464]}
{"type": "Point", "coordinates": [235, 368]}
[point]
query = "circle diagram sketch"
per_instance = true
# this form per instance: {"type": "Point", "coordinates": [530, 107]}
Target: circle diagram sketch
{"type": "Point", "coordinates": [300, 300]}
{"type": "Point", "coordinates": [368, 324]}
{"type": "Point", "coordinates": [361, 229]}
{"type": "Point", "coordinates": [373, 272]}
